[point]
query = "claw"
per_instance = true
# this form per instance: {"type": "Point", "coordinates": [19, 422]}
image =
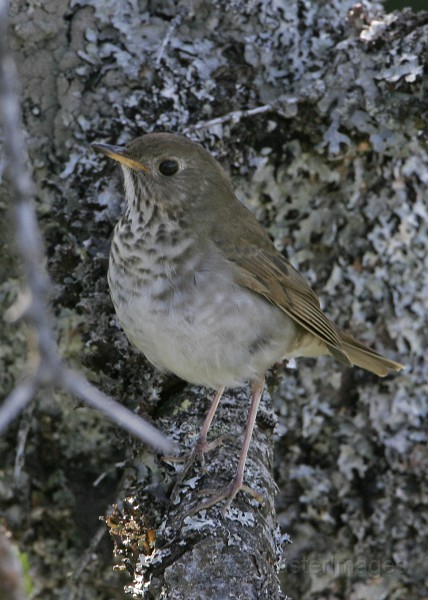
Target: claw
{"type": "Point", "coordinates": [227, 493]}
{"type": "Point", "coordinates": [198, 452]}
{"type": "Point", "coordinates": [201, 446]}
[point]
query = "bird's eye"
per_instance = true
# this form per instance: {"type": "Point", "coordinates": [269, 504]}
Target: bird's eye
{"type": "Point", "coordinates": [168, 167]}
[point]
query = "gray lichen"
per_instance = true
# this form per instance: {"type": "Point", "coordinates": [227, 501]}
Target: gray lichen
{"type": "Point", "coordinates": [332, 158]}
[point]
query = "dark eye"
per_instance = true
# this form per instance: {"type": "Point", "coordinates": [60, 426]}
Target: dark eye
{"type": "Point", "coordinates": [168, 167]}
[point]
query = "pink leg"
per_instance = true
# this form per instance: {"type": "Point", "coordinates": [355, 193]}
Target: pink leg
{"type": "Point", "coordinates": [202, 444]}
{"type": "Point", "coordinates": [237, 482]}
{"type": "Point", "coordinates": [230, 491]}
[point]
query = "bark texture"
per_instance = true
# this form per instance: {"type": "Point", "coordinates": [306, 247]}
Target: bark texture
{"type": "Point", "coordinates": [319, 112]}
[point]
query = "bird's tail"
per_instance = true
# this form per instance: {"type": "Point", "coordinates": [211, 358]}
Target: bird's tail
{"type": "Point", "coordinates": [366, 358]}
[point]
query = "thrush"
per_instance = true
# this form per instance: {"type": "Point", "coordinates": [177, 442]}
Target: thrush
{"type": "Point", "coordinates": [200, 289]}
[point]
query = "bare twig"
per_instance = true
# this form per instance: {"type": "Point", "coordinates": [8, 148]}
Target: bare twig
{"type": "Point", "coordinates": [235, 116]}
{"type": "Point", "coordinates": [79, 386]}
{"type": "Point", "coordinates": [88, 557]}
{"type": "Point", "coordinates": [17, 400]}
{"type": "Point", "coordinates": [176, 22]}
{"type": "Point", "coordinates": [24, 430]}
{"type": "Point", "coordinates": [50, 369]}
{"type": "Point", "coordinates": [284, 105]}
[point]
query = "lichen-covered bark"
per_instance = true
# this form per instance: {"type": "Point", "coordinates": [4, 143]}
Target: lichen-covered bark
{"type": "Point", "coordinates": [330, 153]}
{"type": "Point", "coordinates": [173, 551]}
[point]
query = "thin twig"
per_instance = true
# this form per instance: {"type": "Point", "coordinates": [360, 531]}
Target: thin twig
{"type": "Point", "coordinates": [176, 22]}
{"type": "Point", "coordinates": [24, 430]}
{"type": "Point", "coordinates": [235, 116]}
{"type": "Point", "coordinates": [77, 385]}
{"type": "Point", "coordinates": [284, 105]}
{"type": "Point", "coordinates": [87, 558]}
{"type": "Point", "coordinates": [17, 401]}
{"type": "Point", "coordinates": [50, 370]}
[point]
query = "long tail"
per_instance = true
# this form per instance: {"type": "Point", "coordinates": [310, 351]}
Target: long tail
{"type": "Point", "coordinates": [366, 358]}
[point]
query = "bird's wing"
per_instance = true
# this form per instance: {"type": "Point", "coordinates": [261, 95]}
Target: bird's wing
{"type": "Point", "coordinates": [266, 272]}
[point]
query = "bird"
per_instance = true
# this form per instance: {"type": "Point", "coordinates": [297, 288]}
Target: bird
{"type": "Point", "coordinates": [200, 289]}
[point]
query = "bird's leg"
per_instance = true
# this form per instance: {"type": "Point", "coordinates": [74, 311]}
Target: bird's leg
{"type": "Point", "coordinates": [201, 446]}
{"type": "Point", "coordinates": [229, 492]}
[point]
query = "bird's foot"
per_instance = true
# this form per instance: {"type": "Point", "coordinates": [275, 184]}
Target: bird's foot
{"type": "Point", "coordinates": [200, 448]}
{"type": "Point", "coordinates": [227, 493]}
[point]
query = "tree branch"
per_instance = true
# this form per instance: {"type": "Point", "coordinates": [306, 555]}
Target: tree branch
{"type": "Point", "coordinates": [50, 369]}
{"type": "Point", "coordinates": [174, 551]}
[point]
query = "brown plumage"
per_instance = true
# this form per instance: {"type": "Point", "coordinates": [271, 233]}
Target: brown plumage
{"type": "Point", "coordinates": [199, 287]}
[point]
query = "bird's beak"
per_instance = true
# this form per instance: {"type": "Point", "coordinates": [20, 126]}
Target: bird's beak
{"type": "Point", "coordinates": [120, 154]}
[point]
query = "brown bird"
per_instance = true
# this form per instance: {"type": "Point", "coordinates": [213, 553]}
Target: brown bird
{"type": "Point", "coordinates": [201, 290]}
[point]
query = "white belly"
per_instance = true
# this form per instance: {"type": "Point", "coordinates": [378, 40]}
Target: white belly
{"type": "Point", "coordinates": [208, 331]}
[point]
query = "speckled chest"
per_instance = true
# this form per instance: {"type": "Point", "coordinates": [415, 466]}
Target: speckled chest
{"type": "Point", "coordinates": [179, 304]}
